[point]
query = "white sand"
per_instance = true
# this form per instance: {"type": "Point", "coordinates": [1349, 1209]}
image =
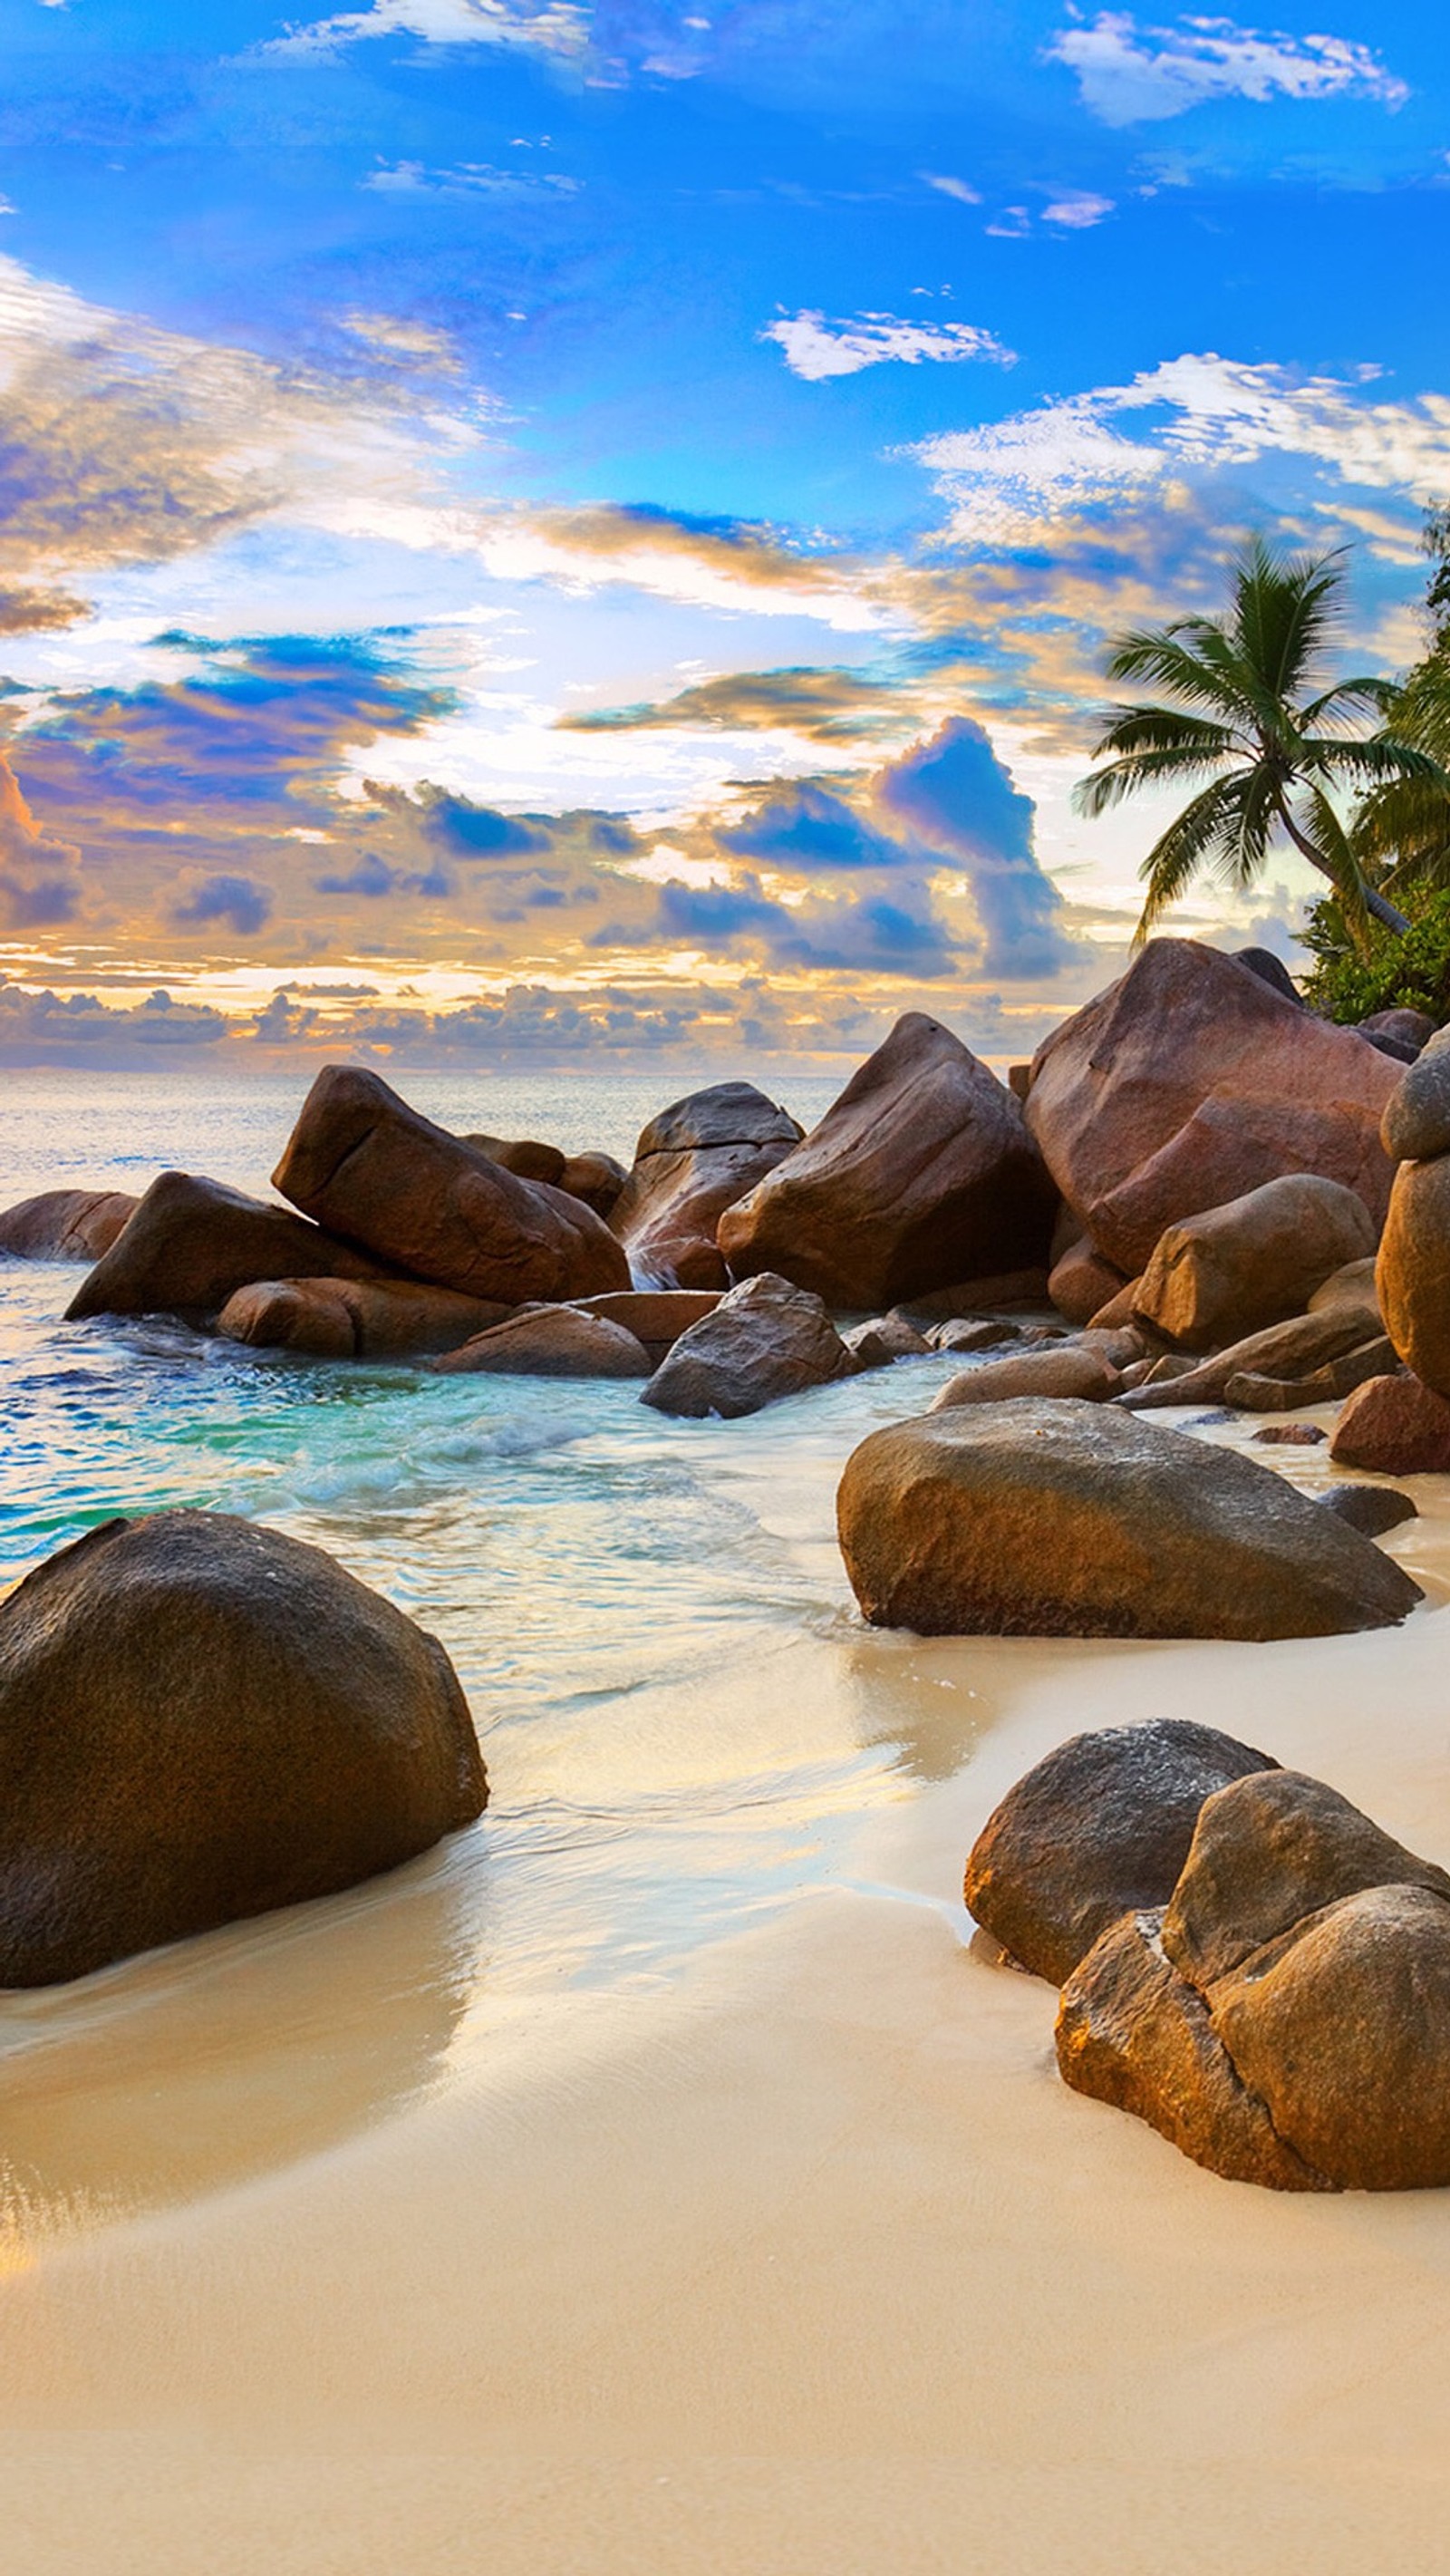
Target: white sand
{"type": "Point", "coordinates": [804, 2262]}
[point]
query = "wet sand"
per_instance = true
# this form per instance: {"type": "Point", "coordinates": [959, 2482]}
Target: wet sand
{"type": "Point", "coordinates": [800, 2259]}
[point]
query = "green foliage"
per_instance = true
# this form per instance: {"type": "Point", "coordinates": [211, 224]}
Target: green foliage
{"type": "Point", "coordinates": [1386, 971]}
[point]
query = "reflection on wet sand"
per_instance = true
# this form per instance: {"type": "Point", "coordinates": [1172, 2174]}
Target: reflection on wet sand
{"type": "Point", "coordinates": [206, 2064]}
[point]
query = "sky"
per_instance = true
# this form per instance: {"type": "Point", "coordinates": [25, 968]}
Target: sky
{"type": "Point", "coordinates": [585, 532]}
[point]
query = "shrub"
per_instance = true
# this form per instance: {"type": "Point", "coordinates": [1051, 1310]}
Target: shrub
{"type": "Point", "coordinates": [1396, 971]}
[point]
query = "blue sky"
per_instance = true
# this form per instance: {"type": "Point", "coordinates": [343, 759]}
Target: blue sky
{"type": "Point", "coordinates": [624, 503]}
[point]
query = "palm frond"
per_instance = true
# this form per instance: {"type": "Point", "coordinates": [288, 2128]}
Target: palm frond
{"type": "Point", "coordinates": [1285, 612]}
{"type": "Point", "coordinates": [1177, 855]}
{"type": "Point", "coordinates": [1121, 779]}
{"type": "Point", "coordinates": [1163, 658]}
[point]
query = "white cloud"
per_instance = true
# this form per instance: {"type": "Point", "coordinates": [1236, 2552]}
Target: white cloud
{"type": "Point", "coordinates": [1068, 456]}
{"type": "Point", "coordinates": [1076, 209]}
{"type": "Point", "coordinates": [815, 348]}
{"type": "Point", "coordinates": [554, 27]}
{"type": "Point", "coordinates": [1130, 75]}
{"type": "Point", "coordinates": [961, 189]}
{"type": "Point", "coordinates": [465, 178]}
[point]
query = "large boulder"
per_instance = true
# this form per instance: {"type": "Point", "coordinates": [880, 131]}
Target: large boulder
{"type": "Point", "coordinates": [1190, 1082]}
{"type": "Point", "coordinates": [549, 1341]}
{"type": "Point", "coordinates": [921, 1175]}
{"type": "Point", "coordinates": [1102, 1825]}
{"type": "Point", "coordinates": [1081, 1282]}
{"type": "Point", "coordinates": [1297, 1348]}
{"type": "Point", "coordinates": [1060, 1519]}
{"type": "Point", "coordinates": [766, 1340]}
{"type": "Point", "coordinates": [655, 1316]}
{"type": "Point", "coordinates": [1413, 1273]}
{"type": "Point", "coordinates": [525, 1156]}
{"type": "Point", "coordinates": [1253, 1262]}
{"type": "Point", "coordinates": [200, 1720]}
{"type": "Point", "coordinates": [690, 1164]}
{"type": "Point", "coordinates": [1074, 1369]}
{"type": "Point", "coordinates": [65, 1225]}
{"type": "Point", "coordinates": [1394, 1426]}
{"type": "Point", "coordinates": [363, 1163]}
{"type": "Point", "coordinates": [192, 1243]}
{"type": "Point", "coordinates": [366, 1319]}
{"type": "Point", "coordinates": [597, 1179]}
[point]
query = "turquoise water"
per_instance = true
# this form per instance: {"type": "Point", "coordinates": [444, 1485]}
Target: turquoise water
{"type": "Point", "coordinates": [685, 1723]}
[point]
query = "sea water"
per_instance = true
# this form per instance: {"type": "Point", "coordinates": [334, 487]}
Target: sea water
{"type": "Point", "coordinates": [684, 1720]}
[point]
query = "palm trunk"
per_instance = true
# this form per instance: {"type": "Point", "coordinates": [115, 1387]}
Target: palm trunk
{"type": "Point", "coordinates": [1377, 904]}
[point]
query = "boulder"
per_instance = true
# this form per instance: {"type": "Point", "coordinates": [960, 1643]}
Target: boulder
{"type": "Point", "coordinates": [1414, 1267]}
{"type": "Point", "coordinates": [922, 1174]}
{"type": "Point", "coordinates": [655, 1316]}
{"type": "Point", "coordinates": [884, 1339]}
{"type": "Point", "coordinates": [365, 1164]}
{"type": "Point", "coordinates": [1371, 1509]}
{"type": "Point", "coordinates": [1082, 1282]}
{"type": "Point", "coordinates": [974, 1333]}
{"type": "Point", "coordinates": [766, 1340]}
{"type": "Point", "coordinates": [690, 1164]}
{"type": "Point", "coordinates": [1410, 1029]}
{"type": "Point", "coordinates": [353, 1318]}
{"type": "Point", "coordinates": [1131, 2031]}
{"type": "Point", "coordinates": [1120, 1309]}
{"type": "Point", "coordinates": [1059, 1519]}
{"type": "Point", "coordinates": [597, 1179]}
{"type": "Point", "coordinates": [1071, 1371]}
{"type": "Point", "coordinates": [244, 1725]}
{"type": "Point", "coordinates": [522, 1155]}
{"type": "Point", "coordinates": [192, 1244]}
{"type": "Point", "coordinates": [1190, 1082]}
{"type": "Point", "coordinates": [1101, 1826]}
{"type": "Point", "coordinates": [1416, 1124]}
{"type": "Point", "coordinates": [1251, 1392]}
{"type": "Point", "coordinates": [549, 1341]}
{"type": "Point", "coordinates": [1294, 1435]}
{"type": "Point", "coordinates": [1351, 1286]}
{"type": "Point", "coordinates": [1294, 1349]}
{"type": "Point", "coordinates": [65, 1225]}
{"type": "Point", "coordinates": [1257, 1260]}
{"type": "Point", "coordinates": [963, 1299]}
{"type": "Point", "coordinates": [1394, 1426]}
{"type": "Point", "coordinates": [1271, 970]}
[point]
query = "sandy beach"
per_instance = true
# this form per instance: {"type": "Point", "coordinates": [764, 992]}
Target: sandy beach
{"type": "Point", "coordinates": [799, 2258]}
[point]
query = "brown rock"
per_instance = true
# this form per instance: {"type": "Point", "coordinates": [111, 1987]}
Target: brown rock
{"type": "Point", "coordinates": [597, 1179]}
{"type": "Point", "coordinates": [244, 1726]}
{"type": "Point", "coordinates": [1251, 1393]}
{"type": "Point", "coordinates": [1189, 1083]}
{"type": "Point", "coordinates": [1411, 1028]}
{"type": "Point", "coordinates": [1254, 1262]}
{"type": "Point", "coordinates": [65, 1225]}
{"type": "Point", "coordinates": [1395, 1427]}
{"type": "Point", "coordinates": [921, 1174]}
{"type": "Point", "coordinates": [353, 1318]}
{"type": "Point", "coordinates": [1371, 1509]}
{"type": "Point", "coordinates": [690, 1164]}
{"type": "Point", "coordinates": [1100, 1827]}
{"type": "Point", "coordinates": [1416, 1124]}
{"type": "Point", "coordinates": [1414, 1267]}
{"type": "Point", "coordinates": [364, 1163]}
{"type": "Point", "coordinates": [1342, 2028]}
{"type": "Point", "coordinates": [1083, 1283]}
{"type": "Point", "coordinates": [655, 1316]}
{"type": "Point", "coordinates": [884, 1339]}
{"type": "Point", "coordinates": [1132, 2032]}
{"type": "Point", "coordinates": [192, 1244]}
{"type": "Point", "coordinates": [1292, 1435]}
{"type": "Point", "coordinates": [549, 1341]}
{"type": "Point", "coordinates": [966, 1299]}
{"type": "Point", "coordinates": [1058, 1519]}
{"type": "Point", "coordinates": [973, 1333]}
{"type": "Point", "coordinates": [766, 1340]}
{"type": "Point", "coordinates": [524, 1156]}
{"type": "Point", "coordinates": [1351, 1286]}
{"type": "Point", "coordinates": [1290, 1350]}
{"type": "Point", "coordinates": [1070, 1371]}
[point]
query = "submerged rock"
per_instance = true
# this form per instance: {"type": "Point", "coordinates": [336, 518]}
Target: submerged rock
{"type": "Point", "coordinates": [244, 1725]}
{"type": "Point", "coordinates": [766, 1340]}
{"type": "Point", "coordinates": [919, 1176]}
{"type": "Point", "coordinates": [1101, 1826]}
{"type": "Point", "coordinates": [65, 1225]}
{"type": "Point", "coordinates": [362, 1162]}
{"type": "Point", "coordinates": [690, 1164]}
{"type": "Point", "coordinates": [354, 1318]}
{"type": "Point", "coordinates": [1061, 1519]}
{"type": "Point", "coordinates": [192, 1244]}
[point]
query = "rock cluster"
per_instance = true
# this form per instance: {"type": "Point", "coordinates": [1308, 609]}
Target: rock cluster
{"type": "Point", "coordinates": [1247, 1962]}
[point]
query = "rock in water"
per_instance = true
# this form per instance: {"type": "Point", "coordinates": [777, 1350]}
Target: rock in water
{"type": "Point", "coordinates": [65, 1225]}
{"type": "Point", "coordinates": [1190, 1082]}
{"type": "Point", "coordinates": [921, 1175]}
{"type": "Point", "coordinates": [1060, 1519]}
{"type": "Point", "coordinates": [1253, 1262]}
{"type": "Point", "coordinates": [192, 1244]}
{"type": "Point", "coordinates": [354, 1318]}
{"type": "Point", "coordinates": [201, 1720]}
{"type": "Point", "coordinates": [690, 1164]}
{"type": "Point", "coordinates": [1394, 1426]}
{"type": "Point", "coordinates": [549, 1341]}
{"type": "Point", "coordinates": [764, 1341]}
{"type": "Point", "coordinates": [1372, 1509]}
{"type": "Point", "coordinates": [365, 1164]}
{"type": "Point", "coordinates": [1098, 1828]}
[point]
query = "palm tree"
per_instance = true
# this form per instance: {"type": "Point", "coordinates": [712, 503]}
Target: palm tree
{"type": "Point", "coordinates": [1401, 833]}
{"type": "Point", "coordinates": [1242, 719]}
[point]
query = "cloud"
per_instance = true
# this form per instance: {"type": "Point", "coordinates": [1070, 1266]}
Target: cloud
{"type": "Point", "coordinates": [804, 826]}
{"type": "Point", "coordinates": [1129, 75]}
{"type": "Point", "coordinates": [815, 348]}
{"type": "Point", "coordinates": [961, 189]}
{"type": "Point", "coordinates": [956, 797]}
{"type": "Point", "coordinates": [44, 1028]}
{"type": "Point", "coordinates": [38, 874]}
{"type": "Point", "coordinates": [876, 933]}
{"type": "Point", "coordinates": [466, 179]}
{"type": "Point", "coordinates": [1076, 210]}
{"type": "Point", "coordinates": [553, 27]}
{"type": "Point", "coordinates": [825, 704]}
{"type": "Point", "coordinates": [238, 900]}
